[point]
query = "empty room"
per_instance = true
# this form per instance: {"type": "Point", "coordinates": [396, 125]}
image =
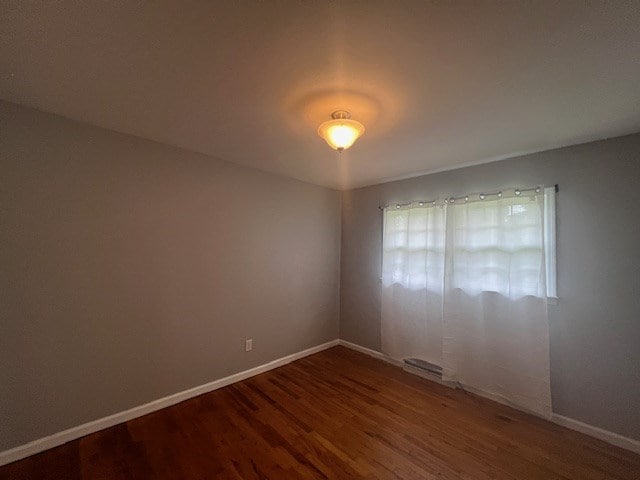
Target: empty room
{"type": "Point", "coordinates": [320, 239]}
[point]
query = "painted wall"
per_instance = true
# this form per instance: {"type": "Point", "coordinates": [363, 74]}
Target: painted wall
{"type": "Point", "coordinates": [132, 270]}
{"type": "Point", "coordinates": [595, 328]}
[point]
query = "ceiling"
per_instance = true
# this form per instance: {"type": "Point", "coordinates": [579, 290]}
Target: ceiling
{"type": "Point", "coordinates": [438, 84]}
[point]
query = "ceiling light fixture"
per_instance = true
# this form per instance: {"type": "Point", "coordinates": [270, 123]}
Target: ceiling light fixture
{"type": "Point", "coordinates": [340, 132]}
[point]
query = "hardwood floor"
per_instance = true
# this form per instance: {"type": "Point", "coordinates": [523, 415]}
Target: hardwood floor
{"type": "Point", "coordinates": [336, 414]}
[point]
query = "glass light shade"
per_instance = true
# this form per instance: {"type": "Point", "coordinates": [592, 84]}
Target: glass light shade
{"type": "Point", "coordinates": [341, 133]}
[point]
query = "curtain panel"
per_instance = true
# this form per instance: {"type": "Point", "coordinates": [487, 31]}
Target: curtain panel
{"type": "Point", "coordinates": [464, 286]}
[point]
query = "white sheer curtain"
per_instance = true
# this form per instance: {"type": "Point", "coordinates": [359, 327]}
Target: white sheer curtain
{"type": "Point", "coordinates": [464, 286]}
{"type": "Point", "coordinates": [412, 286]}
{"type": "Point", "coordinates": [495, 327]}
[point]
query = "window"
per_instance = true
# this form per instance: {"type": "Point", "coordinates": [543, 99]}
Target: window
{"type": "Point", "coordinates": [414, 247]}
{"type": "Point", "coordinates": [502, 243]}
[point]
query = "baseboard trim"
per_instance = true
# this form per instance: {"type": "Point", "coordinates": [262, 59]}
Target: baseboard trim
{"type": "Point", "coordinates": [60, 438]}
{"type": "Point", "coordinates": [596, 432]}
{"type": "Point", "coordinates": [371, 353]}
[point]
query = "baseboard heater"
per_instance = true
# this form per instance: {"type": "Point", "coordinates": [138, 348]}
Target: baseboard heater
{"type": "Point", "coordinates": [427, 370]}
{"type": "Point", "coordinates": [424, 366]}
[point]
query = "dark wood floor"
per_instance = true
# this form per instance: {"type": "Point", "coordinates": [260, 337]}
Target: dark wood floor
{"type": "Point", "coordinates": [336, 414]}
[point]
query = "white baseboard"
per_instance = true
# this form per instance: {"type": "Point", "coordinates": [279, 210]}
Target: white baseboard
{"type": "Point", "coordinates": [372, 353]}
{"type": "Point", "coordinates": [74, 433]}
{"type": "Point", "coordinates": [596, 432]}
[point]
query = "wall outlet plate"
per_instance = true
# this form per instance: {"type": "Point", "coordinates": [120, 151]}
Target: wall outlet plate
{"type": "Point", "coordinates": [248, 345]}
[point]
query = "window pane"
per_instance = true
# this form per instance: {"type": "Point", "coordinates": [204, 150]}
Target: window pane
{"type": "Point", "coordinates": [504, 245]}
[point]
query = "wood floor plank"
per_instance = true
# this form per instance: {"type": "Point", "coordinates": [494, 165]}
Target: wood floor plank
{"type": "Point", "coordinates": [337, 414]}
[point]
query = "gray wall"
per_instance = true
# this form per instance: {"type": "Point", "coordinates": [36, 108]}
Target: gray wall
{"type": "Point", "coordinates": [595, 328]}
{"type": "Point", "coordinates": [132, 270]}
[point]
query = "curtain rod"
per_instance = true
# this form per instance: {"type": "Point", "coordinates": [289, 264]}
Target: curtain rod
{"type": "Point", "coordinates": [482, 196]}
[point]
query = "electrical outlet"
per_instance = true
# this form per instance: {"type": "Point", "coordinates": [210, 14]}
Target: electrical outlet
{"type": "Point", "coordinates": [248, 345]}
